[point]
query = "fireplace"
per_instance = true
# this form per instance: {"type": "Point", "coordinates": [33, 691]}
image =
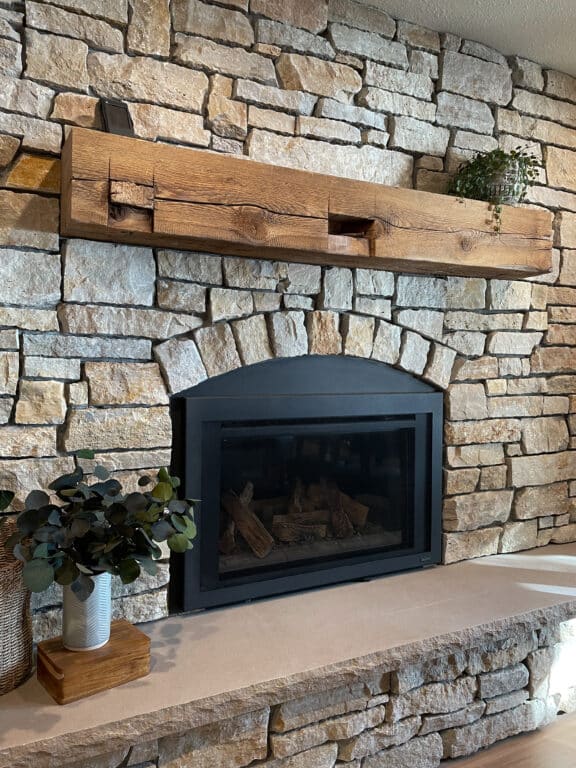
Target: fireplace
{"type": "Point", "coordinates": [311, 471]}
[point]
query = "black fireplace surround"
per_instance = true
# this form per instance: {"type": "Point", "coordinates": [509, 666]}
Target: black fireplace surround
{"type": "Point", "coordinates": [311, 471]}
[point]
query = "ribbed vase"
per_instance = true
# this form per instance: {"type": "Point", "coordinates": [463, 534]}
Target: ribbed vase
{"type": "Point", "coordinates": [86, 624]}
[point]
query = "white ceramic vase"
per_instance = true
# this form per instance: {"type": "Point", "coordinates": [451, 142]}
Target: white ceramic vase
{"type": "Point", "coordinates": [86, 624]}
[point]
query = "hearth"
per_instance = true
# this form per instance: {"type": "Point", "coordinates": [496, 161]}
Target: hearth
{"type": "Point", "coordinates": [310, 471]}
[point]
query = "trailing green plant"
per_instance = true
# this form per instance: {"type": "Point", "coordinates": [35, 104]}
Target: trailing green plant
{"type": "Point", "coordinates": [97, 528]}
{"type": "Point", "coordinates": [496, 177]}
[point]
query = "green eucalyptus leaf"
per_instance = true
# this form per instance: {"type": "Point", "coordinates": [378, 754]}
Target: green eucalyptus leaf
{"type": "Point", "coordinates": [184, 525]}
{"type": "Point", "coordinates": [148, 565]}
{"type": "Point", "coordinates": [79, 527]}
{"type": "Point", "coordinates": [32, 519]}
{"type": "Point", "coordinates": [128, 570]}
{"type": "Point", "coordinates": [42, 550]}
{"type": "Point", "coordinates": [161, 530]}
{"type": "Point", "coordinates": [67, 572]}
{"type": "Point", "coordinates": [178, 542]}
{"type": "Point", "coordinates": [55, 516]}
{"type": "Point", "coordinates": [162, 491]}
{"type": "Point", "coordinates": [36, 500]}
{"type": "Point", "coordinates": [101, 472]}
{"type": "Point", "coordinates": [20, 551]}
{"type": "Point", "coordinates": [163, 475]}
{"type": "Point", "coordinates": [6, 498]}
{"type": "Point", "coordinates": [85, 453]}
{"type": "Point", "coordinates": [82, 586]}
{"type": "Point", "coordinates": [67, 481]}
{"type": "Point", "coordinates": [38, 575]}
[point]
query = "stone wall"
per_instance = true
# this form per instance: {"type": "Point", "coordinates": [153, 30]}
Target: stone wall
{"type": "Point", "coordinates": [419, 715]}
{"type": "Point", "coordinates": [95, 337]}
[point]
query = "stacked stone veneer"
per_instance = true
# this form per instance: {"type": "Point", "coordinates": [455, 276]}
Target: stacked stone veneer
{"type": "Point", "coordinates": [418, 715]}
{"type": "Point", "coordinates": [95, 337]}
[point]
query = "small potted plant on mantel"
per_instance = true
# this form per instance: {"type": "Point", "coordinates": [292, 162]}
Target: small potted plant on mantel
{"type": "Point", "coordinates": [95, 531]}
{"type": "Point", "coordinates": [496, 177]}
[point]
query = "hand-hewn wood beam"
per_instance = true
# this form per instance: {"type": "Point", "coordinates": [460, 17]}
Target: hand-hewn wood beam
{"type": "Point", "coordinates": [128, 190]}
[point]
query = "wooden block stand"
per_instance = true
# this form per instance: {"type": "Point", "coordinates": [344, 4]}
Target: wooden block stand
{"type": "Point", "coordinates": [72, 675]}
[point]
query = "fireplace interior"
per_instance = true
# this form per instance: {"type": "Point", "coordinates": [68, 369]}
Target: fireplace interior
{"type": "Point", "coordinates": [310, 471]}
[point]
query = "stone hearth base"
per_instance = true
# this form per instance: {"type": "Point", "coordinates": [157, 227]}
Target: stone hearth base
{"type": "Point", "coordinates": [408, 669]}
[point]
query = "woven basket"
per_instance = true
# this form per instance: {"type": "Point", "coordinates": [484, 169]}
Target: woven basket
{"type": "Point", "coordinates": [15, 623]}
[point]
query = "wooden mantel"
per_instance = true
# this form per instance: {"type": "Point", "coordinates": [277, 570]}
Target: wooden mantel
{"type": "Point", "coordinates": [128, 190]}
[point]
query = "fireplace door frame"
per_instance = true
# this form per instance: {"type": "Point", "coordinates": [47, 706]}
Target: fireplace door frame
{"type": "Point", "coordinates": [303, 389]}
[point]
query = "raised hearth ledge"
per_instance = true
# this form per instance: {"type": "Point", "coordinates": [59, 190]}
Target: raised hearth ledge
{"type": "Point", "coordinates": [214, 665]}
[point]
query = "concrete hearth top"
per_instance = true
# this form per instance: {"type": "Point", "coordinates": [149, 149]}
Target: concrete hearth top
{"type": "Point", "coordinates": [224, 662]}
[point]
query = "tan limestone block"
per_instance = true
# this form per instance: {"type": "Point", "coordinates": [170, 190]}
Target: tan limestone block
{"type": "Point", "coordinates": [562, 535]}
{"type": "Point", "coordinates": [190, 266]}
{"type": "Point", "coordinates": [114, 428]}
{"type": "Point", "coordinates": [545, 435]}
{"type": "Point", "coordinates": [8, 147]}
{"type": "Point", "coordinates": [542, 469]}
{"type": "Point", "coordinates": [390, 79]}
{"type": "Point", "coordinates": [310, 16]}
{"type": "Point", "coordinates": [252, 274]}
{"type": "Point", "coordinates": [182, 297]}
{"type": "Point", "coordinates": [59, 345]}
{"type": "Point", "coordinates": [467, 401]}
{"type": "Point", "coordinates": [252, 339]}
{"type": "Point", "coordinates": [513, 343]}
{"type": "Point", "coordinates": [28, 278]}
{"type": "Point", "coordinates": [481, 368]}
{"type": "Point", "coordinates": [232, 743]}
{"type": "Point", "coordinates": [10, 58]}
{"type": "Point", "coordinates": [333, 729]}
{"type": "Point", "coordinates": [474, 455]}
{"type": "Point", "coordinates": [317, 757]}
{"type": "Point", "coordinates": [519, 536]}
{"type": "Point", "coordinates": [476, 510]}
{"type": "Point", "coordinates": [96, 33]}
{"type": "Point", "coordinates": [358, 335]}
{"type": "Point", "coordinates": [77, 109]}
{"type": "Point", "coordinates": [57, 60]}
{"type": "Point", "coordinates": [9, 368]}
{"type": "Point", "coordinates": [387, 343]}
{"type": "Point", "coordinates": [361, 16]}
{"type": "Point", "coordinates": [561, 334]}
{"type": "Point", "coordinates": [493, 478]}
{"type": "Point", "coordinates": [41, 402]}
{"type": "Point", "coordinates": [218, 349]}
{"type": "Point", "coordinates": [424, 752]}
{"type": "Point", "coordinates": [267, 96]}
{"type": "Point", "coordinates": [149, 27]}
{"type": "Point", "coordinates": [553, 360]}
{"type": "Point", "coordinates": [106, 320]}
{"type": "Point", "coordinates": [29, 220]}
{"type": "Point", "coordinates": [152, 122]}
{"type": "Point", "coordinates": [414, 352]}
{"type": "Point", "coordinates": [486, 731]}
{"type": "Point", "coordinates": [565, 229]}
{"type": "Point", "coordinates": [325, 78]}
{"type": "Point", "coordinates": [377, 739]}
{"type": "Point", "coordinates": [433, 698]}
{"type": "Point", "coordinates": [288, 334]}
{"type": "Point", "coordinates": [134, 78]}
{"type": "Point", "coordinates": [272, 51]}
{"type": "Point", "coordinates": [37, 135]}
{"type": "Point", "coordinates": [469, 714]}
{"type": "Point", "coordinates": [78, 393]}
{"type": "Point", "coordinates": [27, 441]}
{"type": "Point", "coordinates": [457, 481]}
{"type": "Point", "coordinates": [547, 500]}
{"type": "Point", "coordinates": [236, 62]}
{"type": "Point", "coordinates": [125, 383]}
{"type": "Point", "coordinates": [34, 173]}
{"type": "Point", "coordinates": [463, 433]}
{"type": "Point", "coordinates": [368, 45]}
{"type": "Point", "coordinates": [316, 707]}
{"type": "Point", "coordinates": [331, 130]}
{"type": "Point", "coordinates": [469, 544]}
{"type": "Point", "coordinates": [561, 168]}
{"type": "Point", "coordinates": [226, 117]}
{"type": "Point", "coordinates": [25, 475]}
{"type": "Point", "coordinates": [288, 37]}
{"type": "Point", "coordinates": [217, 23]}
{"type": "Point", "coordinates": [529, 405]}
{"type": "Point", "coordinates": [271, 120]}
{"type": "Point", "coordinates": [323, 333]}
{"type": "Point", "coordinates": [496, 387]}
{"type": "Point", "coordinates": [502, 653]}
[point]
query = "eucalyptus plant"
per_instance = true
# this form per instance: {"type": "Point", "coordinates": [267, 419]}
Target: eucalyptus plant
{"type": "Point", "coordinates": [96, 527]}
{"type": "Point", "coordinates": [496, 177]}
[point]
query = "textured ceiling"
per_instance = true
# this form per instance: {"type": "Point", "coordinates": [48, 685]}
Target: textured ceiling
{"type": "Point", "coordinates": [540, 30]}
